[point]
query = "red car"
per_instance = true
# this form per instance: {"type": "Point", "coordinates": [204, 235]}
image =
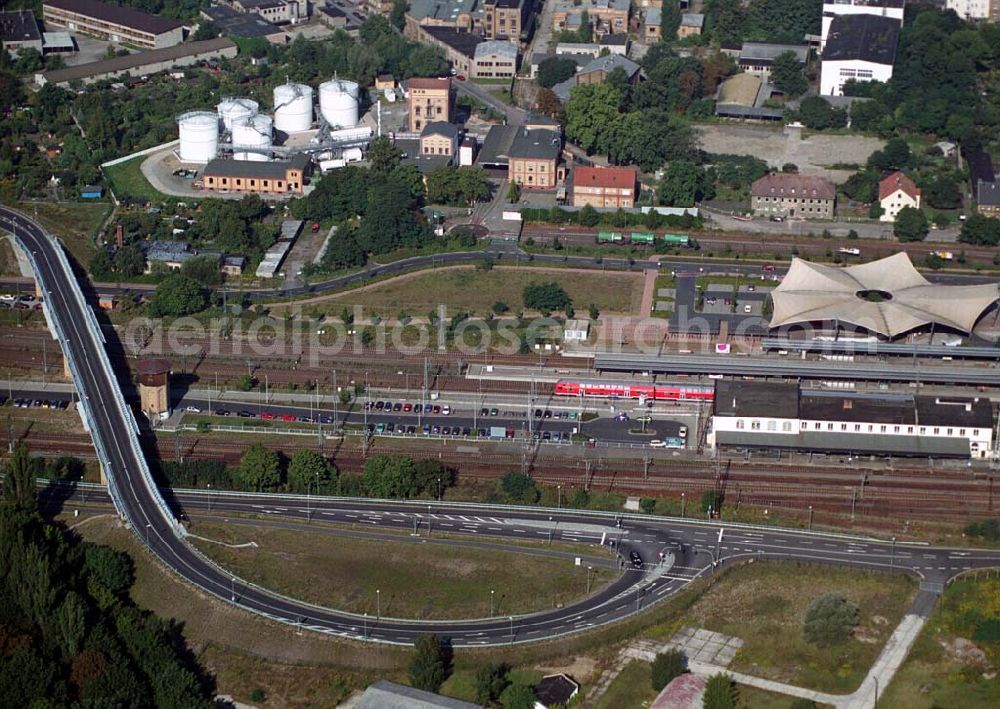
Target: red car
{"type": "Point", "coordinates": [287, 418]}
{"type": "Point", "coordinates": [268, 416]}
{"type": "Point", "coordinates": [407, 408]}
{"type": "Point", "coordinates": [460, 77]}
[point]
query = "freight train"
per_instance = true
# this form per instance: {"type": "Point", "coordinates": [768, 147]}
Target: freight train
{"type": "Point", "coordinates": [628, 390]}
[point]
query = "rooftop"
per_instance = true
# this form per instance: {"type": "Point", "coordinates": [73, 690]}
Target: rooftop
{"type": "Point", "coordinates": [605, 64]}
{"type": "Point", "coordinates": [496, 147]}
{"type": "Point", "coordinates": [654, 16]}
{"type": "Point", "coordinates": [274, 170]}
{"type": "Point", "coordinates": [692, 19]}
{"type": "Point", "coordinates": [116, 15]}
{"type": "Point", "coordinates": [988, 194]}
{"type": "Point", "coordinates": [423, 82]}
{"type": "Point", "coordinates": [868, 38]}
{"type": "Point", "coordinates": [780, 183]}
{"type": "Point", "coordinates": [443, 10]}
{"type": "Point", "coordinates": [536, 145]}
{"type": "Point", "coordinates": [683, 692]}
{"type": "Point", "coordinates": [240, 24]}
{"type": "Point", "coordinates": [887, 297]}
{"type": "Point", "coordinates": [591, 6]}
{"type": "Point", "coordinates": [848, 443]}
{"type": "Point", "coordinates": [553, 690]}
{"type": "Point", "coordinates": [19, 26]}
{"type": "Point", "coordinates": [607, 177]}
{"type": "Point", "coordinates": [389, 695]}
{"type": "Point", "coordinates": [980, 166]}
{"type": "Point", "coordinates": [766, 51]}
{"type": "Point", "coordinates": [57, 42]}
{"type": "Point", "coordinates": [740, 90]}
{"type": "Point", "coordinates": [120, 65]}
{"type": "Point", "coordinates": [496, 47]}
{"type": "Point", "coordinates": [889, 184]}
{"type": "Point", "coordinates": [444, 128]}
{"type": "Point", "coordinates": [462, 42]}
{"type": "Point", "coordinates": [737, 397]}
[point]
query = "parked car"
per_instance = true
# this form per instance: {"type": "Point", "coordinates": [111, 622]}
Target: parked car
{"type": "Point", "coordinates": [192, 409]}
{"type": "Point", "coordinates": [494, 412]}
{"type": "Point", "coordinates": [657, 444]}
{"type": "Point", "coordinates": [246, 414]}
{"type": "Point", "coordinates": [635, 559]}
{"type": "Point", "coordinates": [268, 416]}
{"type": "Point", "coordinates": [222, 412]}
{"type": "Point", "coordinates": [287, 418]}
{"type": "Point", "coordinates": [407, 407]}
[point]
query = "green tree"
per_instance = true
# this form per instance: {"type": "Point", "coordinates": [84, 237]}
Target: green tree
{"type": "Point", "coordinates": [554, 70]}
{"type": "Point", "coordinates": [666, 666]}
{"type": "Point", "coordinates": [390, 476]}
{"type": "Point", "coordinates": [518, 696]}
{"type": "Point", "coordinates": [19, 481]}
{"type": "Point", "coordinates": [71, 623]}
{"type": "Point", "coordinates": [491, 681]}
{"type": "Point", "coordinates": [895, 155]}
{"type": "Point", "coordinates": [245, 382]}
{"type": "Point", "coordinates": [684, 184]}
{"type": "Point", "coordinates": [720, 692]}
{"type": "Point", "coordinates": [647, 504]}
{"type": "Point", "coordinates": [112, 568]}
{"type": "Point", "coordinates": [101, 265]}
{"type": "Point", "coordinates": [942, 192]}
{"type": "Point", "coordinates": [432, 476]}
{"type": "Point", "coordinates": [308, 470]}
{"type": "Point", "coordinates": [910, 225]}
{"type": "Point", "coordinates": [500, 307]}
{"type": "Point", "coordinates": [204, 270]}
{"type": "Point", "coordinates": [588, 216]}
{"type": "Point", "coordinates": [980, 230]}
{"type": "Point", "coordinates": [580, 498]}
{"type": "Point", "coordinates": [816, 113]}
{"type": "Point", "coordinates": [593, 310]}
{"type": "Point", "coordinates": [545, 297]}
{"type": "Point", "coordinates": [788, 76]}
{"type": "Point", "coordinates": [513, 193]}
{"type": "Point", "coordinates": [383, 156]}
{"type": "Point", "coordinates": [519, 487]}
{"type": "Point", "coordinates": [711, 500]}
{"type": "Point", "coordinates": [869, 117]}
{"type": "Point", "coordinates": [259, 469]}
{"type": "Point", "coordinates": [430, 663]}
{"type": "Point", "coordinates": [206, 30]}
{"type": "Point", "coordinates": [398, 15]}
{"type": "Point", "coordinates": [178, 295]}
{"type": "Point", "coordinates": [830, 619]}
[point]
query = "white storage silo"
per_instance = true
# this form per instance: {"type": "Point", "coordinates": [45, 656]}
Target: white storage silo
{"type": "Point", "coordinates": [199, 134]}
{"type": "Point", "coordinates": [252, 132]}
{"type": "Point", "coordinates": [293, 107]}
{"type": "Point", "coordinates": [338, 103]}
{"type": "Point", "coordinates": [232, 109]}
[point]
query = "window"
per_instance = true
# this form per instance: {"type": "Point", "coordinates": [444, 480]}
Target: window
{"type": "Point", "coordinates": [909, 429]}
{"type": "Point", "coordinates": [739, 424]}
{"type": "Point", "coordinates": [755, 426]}
{"type": "Point", "coordinates": [923, 430]}
{"type": "Point", "coordinates": [937, 431]}
{"type": "Point", "coordinates": [895, 429]}
{"type": "Point", "coordinates": [843, 427]}
{"type": "Point", "coordinates": [786, 426]}
{"type": "Point", "coordinates": [870, 428]}
{"type": "Point", "coordinates": [961, 431]}
{"type": "Point", "coordinates": [817, 426]}
{"type": "Point", "coordinates": [881, 429]}
{"type": "Point", "coordinates": [950, 431]}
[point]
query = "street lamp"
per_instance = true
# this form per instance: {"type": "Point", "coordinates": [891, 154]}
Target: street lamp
{"type": "Point", "coordinates": [491, 602]}
{"type": "Point", "coordinates": [892, 558]}
{"type": "Point", "coordinates": [589, 569]}
{"type": "Point", "coordinates": [209, 485]}
{"type": "Point", "coordinates": [682, 504]}
{"type": "Point", "coordinates": [147, 533]}
{"type": "Point", "coordinates": [378, 603]}
{"type": "Point", "coordinates": [233, 589]}
{"type": "Point", "coordinates": [512, 630]}
{"type": "Point", "coordinates": [364, 633]}
{"type": "Point", "coordinates": [439, 489]}
{"type": "Point", "coordinates": [559, 499]}
{"type": "Point", "coordinates": [810, 516]}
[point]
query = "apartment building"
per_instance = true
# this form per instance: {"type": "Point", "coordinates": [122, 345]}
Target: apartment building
{"type": "Point", "coordinates": [788, 195]}
{"type": "Point", "coordinates": [506, 19]}
{"type": "Point", "coordinates": [604, 187]}
{"type": "Point", "coordinates": [276, 177]}
{"type": "Point", "coordinates": [534, 159]}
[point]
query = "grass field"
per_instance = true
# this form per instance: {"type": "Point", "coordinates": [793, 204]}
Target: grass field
{"type": "Point", "coordinates": [8, 261]}
{"type": "Point", "coordinates": [765, 605]}
{"type": "Point", "coordinates": [127, 179]}
{"type": "Point", "coordinates": [955, 659]}
{"type": "Point", "coordinates": [468, 289]}
{"type": "Point", "coordinates": [74, 222]}
{"type": "Point", "coordinates": [416, 580]}
{"type": "Point", "coordinates": [631, 688]}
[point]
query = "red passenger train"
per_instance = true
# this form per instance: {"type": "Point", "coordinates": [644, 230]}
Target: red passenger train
{"type": "Point", "coordinates": [628, 390]}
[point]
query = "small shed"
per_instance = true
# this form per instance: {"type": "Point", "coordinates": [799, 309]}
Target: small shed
{"type": "Point", "coordinates": [576, 330]}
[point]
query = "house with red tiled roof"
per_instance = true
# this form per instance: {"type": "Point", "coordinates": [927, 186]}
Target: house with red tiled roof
{"type": "Point", "coordinates": [895, 192]}
{"type": "Point", "coordinates": [611, 187]}
{"type": "Point", "coordinates": [794, 196]}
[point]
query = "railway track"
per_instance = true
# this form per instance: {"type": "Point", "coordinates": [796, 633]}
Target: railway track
{"type": "Point", "coordinates": [904, 495]}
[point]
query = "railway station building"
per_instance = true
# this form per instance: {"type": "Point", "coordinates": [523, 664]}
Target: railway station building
{"type": "Point", "coordinates": [780, 416]}
{"type": "Point", "coordinates": [888, 298]}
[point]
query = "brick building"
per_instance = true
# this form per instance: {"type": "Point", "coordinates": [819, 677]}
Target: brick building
{"type": "Point", "coordinates": [113, 23]}
{"type": "Point", "coordinates": [534, 159]}
{"type": "Point", "coordinates": [277, 177]}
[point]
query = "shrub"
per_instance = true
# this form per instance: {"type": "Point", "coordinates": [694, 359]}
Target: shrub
{"type": "Point", "coordinates": [830, 619]}
{"type": "Point", "coordinates": [666, 666]}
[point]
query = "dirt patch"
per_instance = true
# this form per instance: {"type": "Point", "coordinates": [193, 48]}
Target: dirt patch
{"type": "Point", "coordinates": [580, 668]}
{"type": "Point", "coordinates": [966, 652]}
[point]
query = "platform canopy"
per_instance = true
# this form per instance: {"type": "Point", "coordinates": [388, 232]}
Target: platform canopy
{"type": "Point", "coordinates": [887, 297]}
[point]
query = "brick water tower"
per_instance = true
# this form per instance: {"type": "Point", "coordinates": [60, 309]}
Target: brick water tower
{"type": "Point", "coordinates": [154, 386]}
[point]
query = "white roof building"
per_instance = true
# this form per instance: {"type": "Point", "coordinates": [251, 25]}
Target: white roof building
{"type": "Point", "coordinates": [887, 297]}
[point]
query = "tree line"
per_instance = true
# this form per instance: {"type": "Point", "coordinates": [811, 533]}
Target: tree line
{"type": "Point", "coordinates": [69, 633]}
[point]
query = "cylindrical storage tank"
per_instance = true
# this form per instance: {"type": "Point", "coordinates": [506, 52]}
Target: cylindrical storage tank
{"type": "Point", "coordinates": [199, 133]}
{"type": "Point", "coordinates": [338, 103]}
{"type": "Point", "coordinates": [252, 132]}
{"type": "Point", "coordinates": [293, 107]}
{"type": "Point", "coordinates": [232, 109]}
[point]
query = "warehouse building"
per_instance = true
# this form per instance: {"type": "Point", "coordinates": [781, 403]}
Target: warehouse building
{"type": "Point", "coordinates": [140, 64]}
{"type": "Point", "coordinates": [779, 416]}
{"type": "Point", "coordinates": [19, 30]}
{"type": "Point", "coordinates": [113, 23]}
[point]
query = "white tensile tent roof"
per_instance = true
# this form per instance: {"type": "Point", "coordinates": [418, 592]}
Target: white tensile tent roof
{"type": "Point", "coordinates": [813, 292]}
